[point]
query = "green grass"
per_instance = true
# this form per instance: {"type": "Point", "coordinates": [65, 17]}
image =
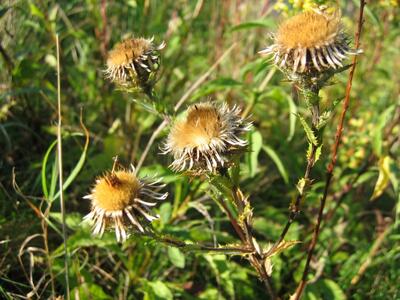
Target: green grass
{"type": "Point", "coordinates": [197, 33]}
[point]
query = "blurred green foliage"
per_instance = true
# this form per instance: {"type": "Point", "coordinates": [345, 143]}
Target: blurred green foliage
{"type": "Point", "coordinates": [197, 33]}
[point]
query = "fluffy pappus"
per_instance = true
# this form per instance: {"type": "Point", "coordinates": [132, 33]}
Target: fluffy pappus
{"type": "Point", "coordinates": [204, 140]}
{"type": "Point", "coordinates": [134, 62]}
{"type": "Point", "coordinates": [119, 199]}
{"type": "Point", "coordinates": [312, 41]}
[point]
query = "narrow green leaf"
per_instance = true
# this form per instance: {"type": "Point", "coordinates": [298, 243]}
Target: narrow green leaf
{"type": "Point", "coordinates": [256, 145]}
{"type": "Point", "coordinates": [88, 290]}
{"type": "Point", "coordinates": [292, 118]}
{"type": "Point", "coordinates": [44, 165]}
{"type": "Point", "coordinates": [378, 132]}
{"type": "Point", "coordinates": [253, 24]}
{"type": "Point", "coordinates": [53, 179]}
{"type": "Point", "coordinates": [397, 216]}
{"type": "Point", "coordinates": [76, 169]}
{"type": "Point", "coordinates": [278, 162]}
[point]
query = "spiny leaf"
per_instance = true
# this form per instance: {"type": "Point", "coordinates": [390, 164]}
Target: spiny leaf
{"type": "Point", "coordinates": [309, 132]}
{"type": "Point", "coordinates": [309, 151]}
{"type": "Point", "coordinates": [281, 247]}
{"type": "Point", "coordinates": [326, 115]}
{"type": "Point", "coordinates": [303, 185]}
{"type": "Point", "coordinates": [268, 266]}
{"type": "Point", "coordinates": [247, 211]}
{"type": "Point", "coordinates": [223, 185]}
{"type": "Point", "coordinates": [318, 153]}
{"type": "Point", "coordinates": [324, 118]}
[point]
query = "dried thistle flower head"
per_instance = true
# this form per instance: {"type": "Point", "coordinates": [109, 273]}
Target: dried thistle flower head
{"type": "Point", "coordinates": [118, 199]}
{"type": "Point", "coordinates": [207, 136]}
{"type": "Point", "coordinates": [310, 42]}
{"type": "Point", "coordinates": [134, 62]}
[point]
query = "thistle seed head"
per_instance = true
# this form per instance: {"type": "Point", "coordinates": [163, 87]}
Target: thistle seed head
{"type": "Point", "coordinates": [119, 199]}
{"type": "Point", "coordinates": [134, 63]}
{"type": "Point", "coordinates": [310, 42]}
{"type": "Point", "coordinates": [205, 139]}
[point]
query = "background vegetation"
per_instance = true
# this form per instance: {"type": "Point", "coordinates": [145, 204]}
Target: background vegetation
{"type": "Point", "coordinates": [357, 256]}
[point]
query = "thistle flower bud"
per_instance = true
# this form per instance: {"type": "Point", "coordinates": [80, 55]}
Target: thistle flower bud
{"type": "Point", "coordinates": [205, 139]}
{"type": "Point", "coordinates": [119, 200]}
{"type": "Point", "coordinates": [134, 63]}
{"type": "Point", "coordinates": [310, 43]}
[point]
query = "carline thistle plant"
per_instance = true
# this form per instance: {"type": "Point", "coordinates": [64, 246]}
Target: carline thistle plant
{"type": "Point", "coordinates": [310, 42]}
{"type": "Point", "coordinates": [203, 141]}
{"type": "Point", "coordinates": [310, 48]}
{"type": "Point", "coordinates": [134, 63]}
{"type": "Point", "coordinates": [119, 199]}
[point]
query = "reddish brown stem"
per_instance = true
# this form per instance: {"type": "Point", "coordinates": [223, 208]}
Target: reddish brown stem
{"type": "Point", "coordinates": [332, 164]}
{"type": "Point", "coordinates": [233, 221]}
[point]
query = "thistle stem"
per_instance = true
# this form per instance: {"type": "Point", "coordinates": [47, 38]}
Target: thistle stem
{"type": "Point", "coordinates": [295, 208]}
{"type": "Point", "coordinates": [194, 247]}
{"type": "Point", "coordinates": [332, 164]}
{"type": "Point", "coordinates": [233, 221]}
{"type": "Point", "coordinates": [243, 229]}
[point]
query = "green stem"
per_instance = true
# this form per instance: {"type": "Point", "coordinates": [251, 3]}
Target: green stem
{"type": "Point", "coordinates": [312, 99]}
{"type": "Point", "coordinates": [194, 247]}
